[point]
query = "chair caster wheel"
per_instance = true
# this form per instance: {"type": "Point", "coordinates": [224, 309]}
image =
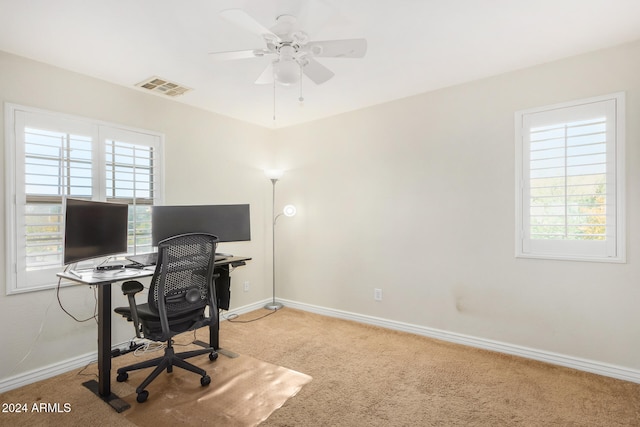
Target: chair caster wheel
{"type": "Point", "coordinates": [122, 377]}
{"type": "Point", "coordinates": [206, 380]}
{"type": "Point", "coordinates": [213, 356]}
{"type": "Point", "coordinates": [142, 396]}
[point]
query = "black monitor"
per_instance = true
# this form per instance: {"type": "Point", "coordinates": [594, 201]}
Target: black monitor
{"type": "Point", "coordinates": [230, 223]}
{"type": "Point", "coordinates": [94, 229]}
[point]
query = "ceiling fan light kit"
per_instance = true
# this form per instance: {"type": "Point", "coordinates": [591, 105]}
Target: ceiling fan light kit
{"type": "Point", "coordinates": [286, 72]}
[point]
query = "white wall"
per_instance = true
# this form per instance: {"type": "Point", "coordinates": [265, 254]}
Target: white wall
{"type": "Point", "coordinates": [209, 159]}
{"type": "Point", "coordinates": [417, 197]}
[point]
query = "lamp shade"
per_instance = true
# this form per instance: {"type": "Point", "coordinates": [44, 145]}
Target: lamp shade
{"type": "Point", "coordinates": [274, 173]}
{"type": "Point", "coordinates": [289, 210]}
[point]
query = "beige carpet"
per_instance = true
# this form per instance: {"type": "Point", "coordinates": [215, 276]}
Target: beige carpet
{"type": "Point", "coordinates": [369, 376]}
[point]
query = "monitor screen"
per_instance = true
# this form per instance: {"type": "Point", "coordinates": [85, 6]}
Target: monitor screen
{"type": "Point", "coordinates": [230, 223]}
{"type": "Point", "coordinates": [94, 229]}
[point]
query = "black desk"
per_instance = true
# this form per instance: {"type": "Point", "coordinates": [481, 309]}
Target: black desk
{"type": "Point", "coordinates": [103, 281]}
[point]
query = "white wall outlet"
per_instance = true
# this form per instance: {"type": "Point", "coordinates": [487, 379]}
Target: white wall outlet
{"type": "Point", "coordinates": [377, 294]}
{"type": "Point", "coordinates": [246, 286]}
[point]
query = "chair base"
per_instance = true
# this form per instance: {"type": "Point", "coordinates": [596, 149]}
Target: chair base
{"type": "Point", "coordinates": [167, 361]}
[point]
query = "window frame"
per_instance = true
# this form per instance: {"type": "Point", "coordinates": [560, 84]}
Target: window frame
{"type": "Point", "coordinates": [16, 195]}
{"type": "Point", "coordinates": [574, 250]}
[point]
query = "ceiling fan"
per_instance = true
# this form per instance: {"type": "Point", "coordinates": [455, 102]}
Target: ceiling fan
{"type": "Point", "coordinates": [292, 51]}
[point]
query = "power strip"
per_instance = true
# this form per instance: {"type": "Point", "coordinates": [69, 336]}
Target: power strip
{"type": "Point", "coordinates": [132, 347]}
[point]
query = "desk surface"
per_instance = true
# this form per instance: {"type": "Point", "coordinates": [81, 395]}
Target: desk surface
{"type": "Point", "coordinates": [92, 277]}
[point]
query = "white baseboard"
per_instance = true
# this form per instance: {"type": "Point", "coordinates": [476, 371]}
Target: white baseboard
{"type": "Point", "coordinates": [592, 366]}
{"type": "Point", "coordinates": [247, 308]}
{"type": "Point", "coordinates": [47, 371]}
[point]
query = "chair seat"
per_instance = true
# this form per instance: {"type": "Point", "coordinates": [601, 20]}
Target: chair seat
{"type": "Point", "coordinates": [146, 313]}
{"type": "Point", "coordinates": [152, 327]}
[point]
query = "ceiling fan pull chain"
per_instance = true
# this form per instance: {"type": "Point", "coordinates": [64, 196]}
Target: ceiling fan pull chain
{"type": "Point", "coordinates": [301, 99]}
{"type": "Point", "coordinates": [274, 100]}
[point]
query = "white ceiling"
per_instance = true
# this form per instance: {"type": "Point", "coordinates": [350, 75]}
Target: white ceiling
{"type": "Point", "coordinates": [414, 46]}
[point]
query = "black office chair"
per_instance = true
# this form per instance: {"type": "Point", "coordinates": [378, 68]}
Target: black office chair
{"type": "Point", "coordinates": [181, 288]}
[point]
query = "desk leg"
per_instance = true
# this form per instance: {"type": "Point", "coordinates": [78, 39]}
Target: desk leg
{"type": "Point", "coordinates": [214, 334]}
{"type": "Point", "coordinates": [103, 387]}
{"type": "Point", "coordinates": [223, 291]}
{"type": "Point", "coordinates": [104, 340]}
{"type": "Point", "coordinates": [223, 295]}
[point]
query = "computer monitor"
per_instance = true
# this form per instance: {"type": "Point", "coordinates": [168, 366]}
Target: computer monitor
{"type": "Point", "coordinates": [230, 223]}
{"type": "Point", "coordinates": [94, 229]}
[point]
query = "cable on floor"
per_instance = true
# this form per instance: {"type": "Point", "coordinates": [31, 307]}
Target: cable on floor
{"type": "Point", "coordinates": [232, 316]}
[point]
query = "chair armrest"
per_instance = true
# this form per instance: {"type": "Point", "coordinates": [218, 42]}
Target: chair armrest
{"type": "Point", "coordinates": [130, 289]}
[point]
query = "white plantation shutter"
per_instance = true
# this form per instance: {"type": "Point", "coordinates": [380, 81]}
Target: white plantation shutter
{"type": "Point", "coordinates": [51, 156]}
{"type": "Point", "coordinates": [54, 157]}
{"type": "Point", "coordinates": [56, 164]}
{"type": "Point", "coordinates": [570, 187]}
{"type": "Point", "coordinates": [131, 161]}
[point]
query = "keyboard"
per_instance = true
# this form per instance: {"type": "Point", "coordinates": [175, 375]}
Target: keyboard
{"type": "Point", "coordinates": [144, 260]}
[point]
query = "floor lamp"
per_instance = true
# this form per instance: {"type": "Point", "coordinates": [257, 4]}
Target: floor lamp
{"type": "Point", "coordinates": [289, 210]}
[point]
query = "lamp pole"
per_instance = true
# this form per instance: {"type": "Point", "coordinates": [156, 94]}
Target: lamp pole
{"type": "Point", "coordinates": [273, 305]}
{"type": "Point", "coordinates": [288, 210]}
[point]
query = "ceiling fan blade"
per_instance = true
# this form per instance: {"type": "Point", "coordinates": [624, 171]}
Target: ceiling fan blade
{"type": "Point", "coordinates": [317, 72]}
{"type": "Point", "coordinates": [239, 54]}
{"type": "Point", "coordinates": [348, 48]}
{"type": "Point", "coordinates": [242, 19]}
{"type": "Point", "coordinates": [267, 75]}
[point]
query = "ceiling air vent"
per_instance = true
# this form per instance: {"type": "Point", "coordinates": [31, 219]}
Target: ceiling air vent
{"type": "Point", "coordinates": [163, 86]}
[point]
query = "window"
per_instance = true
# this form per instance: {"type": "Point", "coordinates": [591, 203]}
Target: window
{"type": "Point", "coordinates": [50, 156]}
{"type": "Point", "coordinates": [570, 198]}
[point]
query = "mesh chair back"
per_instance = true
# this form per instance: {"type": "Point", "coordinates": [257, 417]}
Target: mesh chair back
{"type": "Point", "coordinates": [184, 274]}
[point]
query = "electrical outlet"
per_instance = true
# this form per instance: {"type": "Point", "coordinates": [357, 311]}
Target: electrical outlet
{"type": "Point", "coordinates": [377, 294]}
{"type": "Point", "coordinates": [246, 286]}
